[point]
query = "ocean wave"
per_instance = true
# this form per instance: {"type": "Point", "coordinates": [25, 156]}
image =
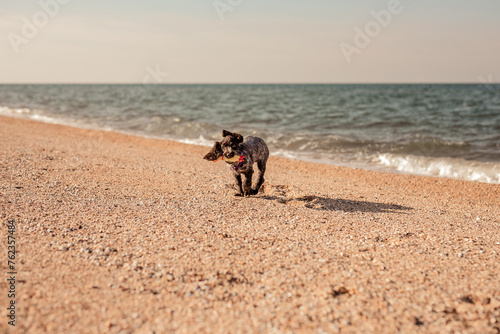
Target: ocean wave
{"type": "Point", "coordinates": [454, 168]}
{"type": "Point", "coordinates": [41, 116]}
{"type": "Point", "coordinates": [34, 114]}
{"type": "Point", "coordinates": [9, 111]}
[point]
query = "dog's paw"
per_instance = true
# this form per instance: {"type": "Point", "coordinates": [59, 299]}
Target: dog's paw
{"type": "Point", "coordinates": [254, 191]}
{"type": "Point", "coordinates": [248, 192]}
{"type": "Point", "coordinates": [238, 194]}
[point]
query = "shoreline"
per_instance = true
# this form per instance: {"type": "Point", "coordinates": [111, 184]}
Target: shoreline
{"type": "Point", "coordinates": [292, 155]}
{"type": "Point", "coordinates": [125, 233]}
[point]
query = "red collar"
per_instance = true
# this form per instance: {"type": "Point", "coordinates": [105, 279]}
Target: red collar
{"type": "Point", "coordinates": [241, 160]}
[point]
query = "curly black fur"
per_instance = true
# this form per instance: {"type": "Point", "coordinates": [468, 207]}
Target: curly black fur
{"type": "Point", "coordinates": [254, 150]}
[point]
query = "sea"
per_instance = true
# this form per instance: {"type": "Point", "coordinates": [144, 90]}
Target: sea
{"type": "Point", "coordinates": [441, 130]}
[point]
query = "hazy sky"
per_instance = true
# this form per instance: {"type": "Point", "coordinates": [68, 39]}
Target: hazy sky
{"type": "Point", "coordinates": [249, 41]}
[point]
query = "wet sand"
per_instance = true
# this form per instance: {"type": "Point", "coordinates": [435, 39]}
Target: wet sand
{"type": "Point", "coordinates": [122, 234]}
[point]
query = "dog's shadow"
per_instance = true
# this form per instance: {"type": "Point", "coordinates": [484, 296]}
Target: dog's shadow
{"type": "Point", "coordinates": [337, 204]}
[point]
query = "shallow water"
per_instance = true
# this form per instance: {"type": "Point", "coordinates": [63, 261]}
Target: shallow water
{"type": "Point", "coordinates": [438, 130]}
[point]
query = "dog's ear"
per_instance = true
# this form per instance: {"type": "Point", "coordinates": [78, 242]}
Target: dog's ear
{"type": "Point", "coordinates": [238, 137]}
{"type": "Point", "coordinates": [214, 153]}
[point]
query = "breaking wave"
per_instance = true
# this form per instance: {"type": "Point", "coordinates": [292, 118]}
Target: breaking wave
{"type": "Point", "coordinates": [488, 172]}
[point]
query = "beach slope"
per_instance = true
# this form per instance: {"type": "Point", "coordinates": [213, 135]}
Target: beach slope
{"type": "Point", "coordinates": [116, 233]}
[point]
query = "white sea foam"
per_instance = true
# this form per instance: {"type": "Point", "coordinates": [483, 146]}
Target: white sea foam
{"type": "Point", "coordinates": [8, 111]}
{"type": "Point", "coordinates": [202, 141]}
{"type": "Point", "coordinates": [488, 172]}
{"type": "Point", "coordinates": [40, 116]}
{"type": "Point", "coordinates": [34, 114]}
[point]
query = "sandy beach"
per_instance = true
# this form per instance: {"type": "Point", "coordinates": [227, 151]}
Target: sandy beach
{"type": "Point", "coordinates": [123, 234]}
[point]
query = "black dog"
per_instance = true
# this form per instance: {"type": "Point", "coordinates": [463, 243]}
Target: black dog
{"type": "Point", "coordinates": [241, 154]}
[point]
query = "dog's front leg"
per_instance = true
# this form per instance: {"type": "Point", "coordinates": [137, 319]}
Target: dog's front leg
{"type": "Point", "coordinates": [239, 184]}
{"type": "Point", "coordinates": [247, 189]}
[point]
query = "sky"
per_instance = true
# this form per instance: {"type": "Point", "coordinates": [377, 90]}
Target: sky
{"type": "Point", "coordinates": [249, 41]}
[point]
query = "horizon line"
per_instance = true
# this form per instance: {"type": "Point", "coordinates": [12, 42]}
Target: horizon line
{"type": "Point", "coordinates": [249, 83]}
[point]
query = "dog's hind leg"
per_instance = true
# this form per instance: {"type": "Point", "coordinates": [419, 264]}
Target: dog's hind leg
{"type": "Point", "coordinates": [261, 164]}
{"type": "Point", "coordinates": [247, 188]}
